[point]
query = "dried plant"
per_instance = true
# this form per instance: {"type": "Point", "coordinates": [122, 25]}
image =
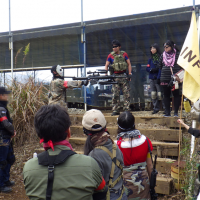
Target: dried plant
{"type": "Point", "coordinates": [17, 54]}
{"type": "Point", "coordinates": [26, 99]}
{"type": "Point", "coordinates": [26, 51]}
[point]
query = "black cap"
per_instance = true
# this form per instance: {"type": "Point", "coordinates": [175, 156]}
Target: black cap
{"type": "Point", "coordinates": [4, 91]}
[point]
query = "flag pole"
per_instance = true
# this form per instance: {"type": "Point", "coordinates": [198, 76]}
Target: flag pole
{"type": "Point", "coordinates": [194, 121]}
{"type": "Point", "coordinates": [180, 142]}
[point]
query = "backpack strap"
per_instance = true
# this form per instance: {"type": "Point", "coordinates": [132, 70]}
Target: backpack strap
{"type": "Point", "coordinates": [112, 155]}
{"type": "Point", "coordinates": [45, 159]}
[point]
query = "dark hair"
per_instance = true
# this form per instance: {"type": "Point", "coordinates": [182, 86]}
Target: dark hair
{"type": "Point", "coordinates": [51, 123]}
{"type": "Point", "coordinates": [126, 122]}
{"type": "Point", "coordinates": [53, 69]}
{"type": "Point", "coordinates": [116, 42]}
{"type": "Point", "coordinates": [155, 45]}
{"type": "Point", "coordinates": [171, 44]}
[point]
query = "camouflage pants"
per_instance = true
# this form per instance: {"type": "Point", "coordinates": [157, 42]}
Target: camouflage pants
{"type": "Point", "coordinates": [136, 182]}
{"type": "Point", "coordinates": [123, 84]}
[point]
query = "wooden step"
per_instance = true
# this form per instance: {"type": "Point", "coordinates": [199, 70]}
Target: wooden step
{"type": "Point", "coordinates": [153, 134]}
{"type": "Point", "coordinates": [170, 122]}
{"type": "Point", "coordinates": [163, 165]}
{"type": "Point", "coordinates": [164, 185]}
{"type": "Point", "coordinates": [162, 149]}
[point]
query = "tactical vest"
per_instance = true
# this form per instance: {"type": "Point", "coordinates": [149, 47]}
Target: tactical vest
{"type": "Point", "coordinates": [115, 162]}
{"type": "Point", "coordinates": [119, 63]}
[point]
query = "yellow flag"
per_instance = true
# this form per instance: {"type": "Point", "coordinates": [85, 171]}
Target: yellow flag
{"type": "Point", "coordinates": [189, 60]}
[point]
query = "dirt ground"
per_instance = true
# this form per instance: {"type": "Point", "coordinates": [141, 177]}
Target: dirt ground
{"type": "Point", "coordinates": [25, 152]}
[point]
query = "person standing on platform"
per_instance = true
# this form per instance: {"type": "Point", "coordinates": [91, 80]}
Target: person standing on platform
{"type": "Point", "coordinates": [58, 86]}
{"type": "Point", "coordinates": [120, 62]}
{"type": "Point", "coordinates": [168, 67]}
{"type": "Point", "coordinates": [153, 70]}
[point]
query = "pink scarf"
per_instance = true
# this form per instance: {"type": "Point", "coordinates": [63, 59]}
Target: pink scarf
{"type": "Point", "coordinates": [50, 144]}
{"type": "Point", "coordinates": [169, 58]}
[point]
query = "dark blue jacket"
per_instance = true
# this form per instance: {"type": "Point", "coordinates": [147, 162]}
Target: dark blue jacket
{"type": "Point", "coordinates": [6, 127]}
{"type": "Point", "coordinates": [150, 66]}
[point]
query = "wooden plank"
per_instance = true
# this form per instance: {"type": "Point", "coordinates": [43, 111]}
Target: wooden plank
{"type": "Point", "coordinates": [162, 149]}
{"type": "Point", "coordinates": [170, 122]}
{"type": "Point", "coordinates": [153, 134]}
{"type": "Point", "coordinates": [164, 185]}
{"type": "Point", "coordinates": [77, 140]}
{"type": "Point", "coordinates": [163, 165]}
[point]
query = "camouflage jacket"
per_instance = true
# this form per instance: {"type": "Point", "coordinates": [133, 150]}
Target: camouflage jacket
{"type": "Point", "coordinates": [57, 89]}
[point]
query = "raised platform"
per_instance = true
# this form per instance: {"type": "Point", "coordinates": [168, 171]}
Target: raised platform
{"type": "Point", "coordinates": [171, 135]}
{"type": "Point", "coordinates": [162, 149]}
{"type": "Point", "coordinates": [170, 122]}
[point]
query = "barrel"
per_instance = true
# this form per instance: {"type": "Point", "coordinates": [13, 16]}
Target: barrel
{"type": "Point", "coordinates": [174, 173]}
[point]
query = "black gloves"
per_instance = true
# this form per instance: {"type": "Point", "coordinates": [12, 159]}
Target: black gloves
{"type": "Point", "coordinates": [158, 81]}
{"type": "Point", "coordinates": [154, 70]}
{"type": "Point", "coordinates": [129, 77]}
{"type": "Point", "coordinates": [85, 82]}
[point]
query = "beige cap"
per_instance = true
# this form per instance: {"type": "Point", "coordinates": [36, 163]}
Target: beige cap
{"type": "Point", "coordinates": [93, 117]}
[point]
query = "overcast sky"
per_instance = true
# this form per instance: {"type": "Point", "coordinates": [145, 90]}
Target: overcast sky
{"type": "Point", "coordinates": [27, 14]}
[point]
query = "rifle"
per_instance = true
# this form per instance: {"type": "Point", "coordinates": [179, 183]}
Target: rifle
{"type": "Point", "coordinates": [95, 76]}
{"type": "Point", "coordinates": [153, 176]}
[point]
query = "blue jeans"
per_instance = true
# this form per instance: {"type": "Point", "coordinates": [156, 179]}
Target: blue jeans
{"type": "Point", "coordinates": [6, 153]}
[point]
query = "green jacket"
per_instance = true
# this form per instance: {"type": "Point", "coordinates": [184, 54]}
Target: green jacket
{"type": "Point", "coordinates": [76, 178]}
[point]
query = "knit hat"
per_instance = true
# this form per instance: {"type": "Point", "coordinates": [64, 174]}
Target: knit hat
{"type": "Point", "coordinates": [93, 117]}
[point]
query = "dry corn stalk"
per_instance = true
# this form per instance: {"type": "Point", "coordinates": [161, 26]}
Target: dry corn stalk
{"type": "Point", "coordinates": [26, 99]}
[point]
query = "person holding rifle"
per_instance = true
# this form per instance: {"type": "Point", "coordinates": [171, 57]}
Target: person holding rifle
{"type": "Point", "coordinates": [136, 150]}
{"type": "Point", "coordinates": [58, 86]}
{"type": "Point", "coordinates": [120, 63]}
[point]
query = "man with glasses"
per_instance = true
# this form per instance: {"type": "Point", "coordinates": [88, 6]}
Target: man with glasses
{"type": "Point", "coordinates": [120, 63]}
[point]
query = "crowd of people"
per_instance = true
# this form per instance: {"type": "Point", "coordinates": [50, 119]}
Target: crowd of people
{"type": "Point", "coordinates": [115, 170]}
{"type": "Point", "coordinates": [108, 170]}
{"type": "Point", "coordinates": [161, 67]}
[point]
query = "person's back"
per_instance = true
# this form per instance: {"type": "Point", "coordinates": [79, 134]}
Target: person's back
{"type": "Point", "coordinates": [105, 163]}
{"type": "Point", "coordinates": [57, 92]}
{"type": "Point", "coordinates": [76, 179]}
{"type": "Point", "coordinates": [73, 176]}
{"type": "Point", "coordinates": [101, 147]}
{"type": "Point", "coordinates": [135, 149]}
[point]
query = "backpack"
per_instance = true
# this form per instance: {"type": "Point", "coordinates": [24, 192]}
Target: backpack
{"type": "Point", "coordinates": [112, 155]}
